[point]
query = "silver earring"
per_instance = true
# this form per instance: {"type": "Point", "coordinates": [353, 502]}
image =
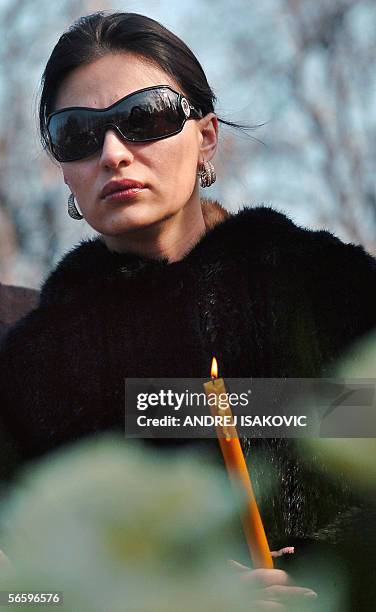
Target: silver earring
{"type": "Point", "coordinates": [72, 210]}
{"type": "Point", "coordinates": [207, 174]}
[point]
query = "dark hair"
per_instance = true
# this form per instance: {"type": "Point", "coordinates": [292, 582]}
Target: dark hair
{"type": "Point", "coordinates": [93, 36]}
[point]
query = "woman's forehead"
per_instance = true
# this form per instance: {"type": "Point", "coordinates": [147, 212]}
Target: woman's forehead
{"type": "Point", "coordinates": [108, 79]}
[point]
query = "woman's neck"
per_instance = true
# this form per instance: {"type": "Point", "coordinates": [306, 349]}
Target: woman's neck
{"type": "Point", "coordinates": [171, 238]}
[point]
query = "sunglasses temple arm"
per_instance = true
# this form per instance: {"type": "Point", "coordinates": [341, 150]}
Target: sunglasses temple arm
{"type": "Point", "coordinates": [195, 114]}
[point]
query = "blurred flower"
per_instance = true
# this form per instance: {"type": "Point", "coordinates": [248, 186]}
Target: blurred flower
{"type": "Point", "coordinates": [116, 527]}
{"type": "Point", "coordinates": [110, 525]}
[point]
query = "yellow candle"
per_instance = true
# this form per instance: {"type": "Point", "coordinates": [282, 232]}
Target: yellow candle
{"type": "Point", "coordinates": [237, 470]}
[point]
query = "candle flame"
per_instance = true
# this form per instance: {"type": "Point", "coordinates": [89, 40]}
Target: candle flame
{"type": "Point", "coordinates": [214, 368]}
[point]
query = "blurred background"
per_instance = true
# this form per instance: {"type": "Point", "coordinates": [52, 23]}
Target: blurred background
{"type": "Point", "coordinates": [302, 68]}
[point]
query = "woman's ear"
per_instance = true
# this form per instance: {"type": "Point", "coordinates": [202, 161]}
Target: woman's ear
{"type": "Point", "coordinates": [208, 127]}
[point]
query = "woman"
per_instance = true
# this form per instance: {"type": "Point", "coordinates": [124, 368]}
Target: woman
{"type": "Point", "coordinates": [171, 280]}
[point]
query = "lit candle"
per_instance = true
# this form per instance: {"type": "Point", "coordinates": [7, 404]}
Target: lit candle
{"type": "Point", "coordinates": [237, 470]}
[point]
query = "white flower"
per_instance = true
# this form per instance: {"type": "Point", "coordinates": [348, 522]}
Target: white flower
{"type": "Point", "coordinates": [108, 524]}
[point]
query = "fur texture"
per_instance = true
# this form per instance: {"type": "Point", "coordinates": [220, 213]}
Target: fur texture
{"type": "Point", "coordinates": [268, 298]}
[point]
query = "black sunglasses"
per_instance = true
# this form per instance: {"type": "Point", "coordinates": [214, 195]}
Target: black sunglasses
{"type": "Point", "coordinates": [148, 114]}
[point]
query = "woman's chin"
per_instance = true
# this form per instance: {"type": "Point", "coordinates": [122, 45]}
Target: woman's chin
{"type": "Point", "coordinates": [124, 219]}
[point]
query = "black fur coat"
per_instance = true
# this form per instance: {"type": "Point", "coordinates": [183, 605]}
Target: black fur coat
{"type": "Point", "coordinates": [268, 298]}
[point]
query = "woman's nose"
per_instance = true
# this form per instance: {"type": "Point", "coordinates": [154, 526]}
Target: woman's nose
{"type": "Point", "coordinates": [115, 150]}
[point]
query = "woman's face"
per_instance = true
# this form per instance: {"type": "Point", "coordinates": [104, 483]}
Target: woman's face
{"type": "Point", "coordinates": [167, 168]}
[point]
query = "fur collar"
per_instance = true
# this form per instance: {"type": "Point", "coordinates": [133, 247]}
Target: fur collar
{"type": "Point", "coordinates": [231, 235]}
{"type": "Point", "coordinates": [213, 213]}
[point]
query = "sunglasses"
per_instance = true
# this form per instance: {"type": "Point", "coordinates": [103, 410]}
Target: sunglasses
{"type": "Point", "coordinates": [148, 114]}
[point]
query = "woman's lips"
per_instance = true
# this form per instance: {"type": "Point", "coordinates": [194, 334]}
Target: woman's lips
{"type": "Point", "coordinates": [120, 189]}
{"type": "Point", "coordinates": [123, 194]}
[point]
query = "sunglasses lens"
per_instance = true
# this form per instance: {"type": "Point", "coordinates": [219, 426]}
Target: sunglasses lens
{"type": "Point", "coordinates": [146, 115]}
{"type": "Point", "coordinates": [74, 134]}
